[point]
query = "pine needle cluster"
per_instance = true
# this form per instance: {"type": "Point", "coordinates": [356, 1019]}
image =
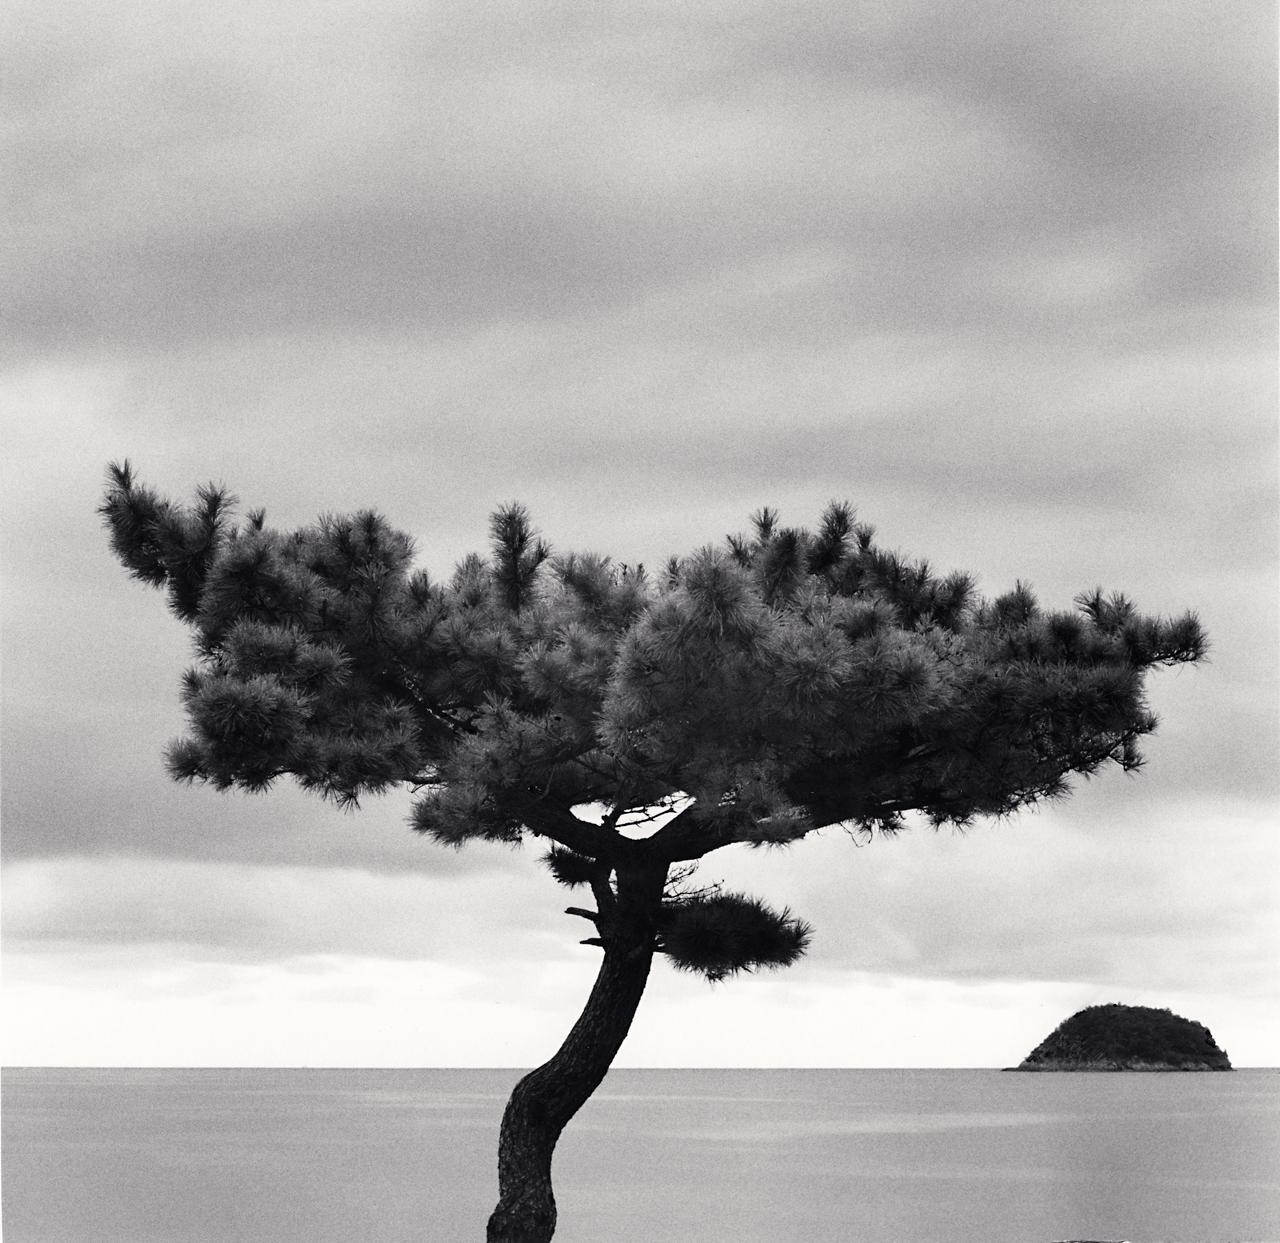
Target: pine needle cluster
{"type": "Point", "coordinates": [750, 693]}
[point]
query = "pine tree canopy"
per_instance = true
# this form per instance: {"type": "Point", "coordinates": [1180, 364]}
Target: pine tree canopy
{"type": "Point", "coordinates": [749, 693]}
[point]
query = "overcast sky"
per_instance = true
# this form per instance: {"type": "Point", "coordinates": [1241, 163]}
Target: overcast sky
{"type": "Point", "coordinates": [1002, 275]}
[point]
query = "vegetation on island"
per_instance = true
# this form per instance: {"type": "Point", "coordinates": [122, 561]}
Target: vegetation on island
{"type": "Point", "coordinates": [744, 695]}
{"type": "Point", "coordinates": [1118, 1037]}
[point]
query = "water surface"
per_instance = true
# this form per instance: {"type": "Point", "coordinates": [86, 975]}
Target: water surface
{"type": "Point", "coordinates": [657, 1156]}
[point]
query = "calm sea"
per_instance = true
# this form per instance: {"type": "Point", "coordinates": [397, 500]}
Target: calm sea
{"type": "Point", "coordinates": [658, 1156]}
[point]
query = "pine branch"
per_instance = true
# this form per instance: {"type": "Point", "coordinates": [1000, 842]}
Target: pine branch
{"type": "Point", "coordinates": [721, 935]}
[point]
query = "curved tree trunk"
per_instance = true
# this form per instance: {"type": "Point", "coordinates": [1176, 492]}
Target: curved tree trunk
{"type": "Point", "coordinates": [546, 1098]}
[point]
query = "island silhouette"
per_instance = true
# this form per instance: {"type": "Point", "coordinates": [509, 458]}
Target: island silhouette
{"type": "Point", "coordinates": [1119, 1037]}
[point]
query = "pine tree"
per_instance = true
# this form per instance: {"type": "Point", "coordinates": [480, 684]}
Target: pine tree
{"type": "Point", "coordinates": [748, 694]}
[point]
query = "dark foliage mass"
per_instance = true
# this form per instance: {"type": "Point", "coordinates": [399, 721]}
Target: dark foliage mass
{"type": "Point", "coordinates": [751, 693]}
{"type": "Point", "coordinates": [724, 933]}
{"type": "Point", "coordinates": [1119, 1037]}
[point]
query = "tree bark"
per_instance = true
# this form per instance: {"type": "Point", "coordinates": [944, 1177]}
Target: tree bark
{"type": "Point", "coordinates": [545, 1099]}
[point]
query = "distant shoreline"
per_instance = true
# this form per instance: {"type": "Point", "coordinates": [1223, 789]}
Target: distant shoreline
{"type": "Point", "coordinates": [1111, 1068]}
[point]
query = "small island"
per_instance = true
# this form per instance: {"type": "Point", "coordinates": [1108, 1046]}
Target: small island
{"type": "Point", "coordinates": [1116, 1037]}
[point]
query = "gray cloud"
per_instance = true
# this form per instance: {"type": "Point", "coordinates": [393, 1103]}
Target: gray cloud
{"type": "Point", "coordinates": [1140, 897]}
{"type": "Point", "coordinates": [176, 190]}
{"type": "Point", "coordinates": [233, 911]}
{"type": "Point", "coordinates": [1135, 902]}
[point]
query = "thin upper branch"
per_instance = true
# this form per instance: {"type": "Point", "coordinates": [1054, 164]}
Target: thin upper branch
{"type": "Point", "coordinates": [687, 836]}
{"type": "Point", "coordinates": [560, 825]}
